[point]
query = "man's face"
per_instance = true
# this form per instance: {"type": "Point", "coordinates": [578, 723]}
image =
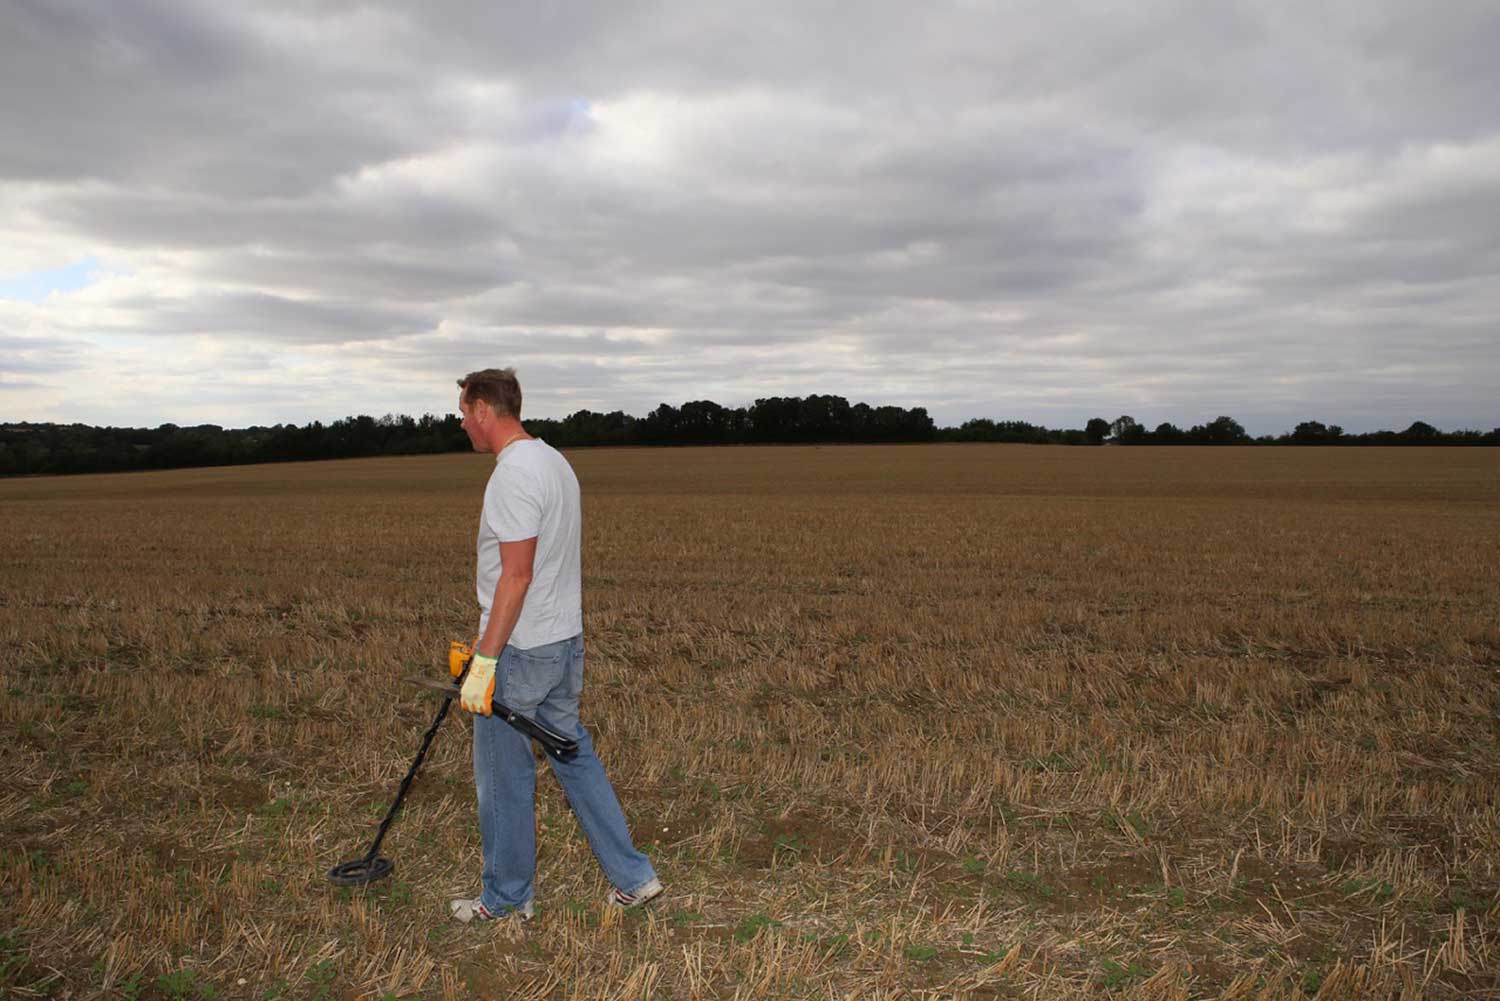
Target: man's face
{"type": "Point", "coordinates": [471, 421]}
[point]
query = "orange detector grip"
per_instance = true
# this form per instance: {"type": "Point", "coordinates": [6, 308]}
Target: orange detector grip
{"type": "Point", "coordinates": [459, 654]}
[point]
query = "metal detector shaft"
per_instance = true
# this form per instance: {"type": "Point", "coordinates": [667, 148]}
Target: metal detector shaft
{"type": "Point", "coordinates": [372, 867]}
{"type": "Point", "coordinates": [560, 747]}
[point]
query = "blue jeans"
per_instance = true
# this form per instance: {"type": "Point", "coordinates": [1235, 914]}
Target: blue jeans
{"type": "Point", "coordinates": [544, 683]}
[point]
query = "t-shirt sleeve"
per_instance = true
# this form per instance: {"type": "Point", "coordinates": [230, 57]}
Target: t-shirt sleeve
{"type": "Point", "coordinates": [513, 506]}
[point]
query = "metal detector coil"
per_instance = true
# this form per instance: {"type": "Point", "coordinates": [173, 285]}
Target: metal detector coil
{"type": "Point", "coordinates": [363, 870]}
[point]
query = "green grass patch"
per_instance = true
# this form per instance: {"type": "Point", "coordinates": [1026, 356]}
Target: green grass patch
{"type": "Point", "coordinates": [12, 954]}
{"type": "Point", "coordinates": [788, 847]}
{"type": "Point", "coordinates": [752, 926]}
{"type": "Point", "coordinates": [320, 980]}
{"type": "Point", "coordinates": [1377, 889]}
{"type": "Point", "coordinates": [277, 808]}
{"type": "Point", "coordinates": [1030, 882]}
{"type": "Point", "coordinates": [1132, 822]}
{"type": "Point", "coordinates": [1116, 975]}
{"type": "Point", "coordinates": [1054, 762]}
{"type": "Point", "coordinates": [398, 893]}
{"type": "Point", "coordinates": [1468, 898]}
{"type": "Point", "coordinates": [921, 953]}
{"type": "Point", "coordinates": [183, 985]}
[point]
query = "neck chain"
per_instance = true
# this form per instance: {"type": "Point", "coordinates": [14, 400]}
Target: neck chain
{"type": "Point", "coordinates": [519, 434]}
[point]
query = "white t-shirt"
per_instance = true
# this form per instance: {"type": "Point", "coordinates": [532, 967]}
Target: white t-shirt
{"type": "Point", "coordinates": [533, 494]}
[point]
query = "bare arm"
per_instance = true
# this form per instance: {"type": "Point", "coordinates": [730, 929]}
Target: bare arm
{"type": "Point", "coordinates": [510, 593]}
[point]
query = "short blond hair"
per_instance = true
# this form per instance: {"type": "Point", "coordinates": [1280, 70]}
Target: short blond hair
{"type": "Point", "coordinates": [497, 387]}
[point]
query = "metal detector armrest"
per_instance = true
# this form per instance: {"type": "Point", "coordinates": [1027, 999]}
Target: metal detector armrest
{"type": "Point", "coordinates": [560, 747]}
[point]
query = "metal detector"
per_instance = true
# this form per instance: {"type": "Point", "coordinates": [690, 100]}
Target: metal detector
{"type": "Point", "coordinates": [373, 866]}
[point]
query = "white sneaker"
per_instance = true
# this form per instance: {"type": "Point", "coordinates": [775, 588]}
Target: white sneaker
{"type": "Point", "coordinates": [619, 898]}
{"type": "Point", "coordinates": [467, 910]}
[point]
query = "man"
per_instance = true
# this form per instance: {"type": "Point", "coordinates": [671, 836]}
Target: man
{"type": "Point", "coordinates": [530, 657]}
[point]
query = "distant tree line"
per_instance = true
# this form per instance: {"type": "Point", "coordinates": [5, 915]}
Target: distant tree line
{"type": "Point", "coordinates": [776, 420]}
{"type": "Point", "coordinates": [81, 448]}
{"type": "Point", "coordinates": [1126, 430]}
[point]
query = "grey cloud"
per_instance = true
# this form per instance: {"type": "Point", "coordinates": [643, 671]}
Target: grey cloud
{"type": "Point", "coordinates": [978, 207]}
{"type": "Point", "coordinates": [359, 272]}
{"type": "Point", "coordinates": [1436, 73]}
{"type": "Point", "coordinates": [267, 318]}
{"type": "Point", "coordinates": [157, 218]}
{"type": "Point", "coordinates": [40, 355]}
{"type": "Point", "coordinates": [170, 95]}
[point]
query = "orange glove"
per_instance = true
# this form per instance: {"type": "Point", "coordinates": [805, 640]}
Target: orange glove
{"type": "Point", "coordinates": [479, 687]}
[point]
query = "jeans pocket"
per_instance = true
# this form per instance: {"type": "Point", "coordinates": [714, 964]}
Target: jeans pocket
{"type": "Point", "coordinates": [530, 675]}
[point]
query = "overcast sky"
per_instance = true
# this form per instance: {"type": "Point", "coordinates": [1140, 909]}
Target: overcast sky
{"type": "Point", "coordinates": [1034, 209]}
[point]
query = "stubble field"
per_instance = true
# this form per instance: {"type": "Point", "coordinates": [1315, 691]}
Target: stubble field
{"type": "Point", "coordinates": [925, 721]}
